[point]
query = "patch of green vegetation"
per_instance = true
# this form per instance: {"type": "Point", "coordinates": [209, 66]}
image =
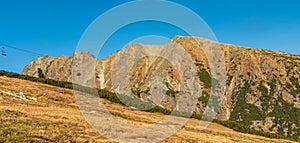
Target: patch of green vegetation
{"type": "Point", "coordinates": [146, 91]}
{"type": "Point", "coordinates": [295, 82]}
{"type": "Point", "coordinates": [40, 73]}
{"type": "Point", "coordinates": [205, 78]}
{"type": "Point", "coordinates": [170, 93]}
{"type": "Point", "coordinates": [246, 129]}
{"type": "Point", "coordinates": [267, 96]}
{"type": "Point", "coordinates": [229, 80]}
{"type": "Point", "coordinates": [263, 90]}
{"type": "Point", "coordinates": [204, 97]}
{"type": "Point", "coordinates": [244, 112]}
{"type": "Point", "coordinates": [129, 101]}
{"type": "Point", "coordinates": [63, 84]}
{"type": "Point", "coordinates": [286, 113]}
{"type": "Point", "coordinates": [136, 92]}
{"type": "Point", "coordinates": [248, 73]}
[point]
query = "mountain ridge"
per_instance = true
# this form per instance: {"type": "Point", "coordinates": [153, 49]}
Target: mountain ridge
{"type": "Point", "coordinates": [258, 82]}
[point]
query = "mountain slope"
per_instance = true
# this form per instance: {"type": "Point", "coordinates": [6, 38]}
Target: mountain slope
{"type": "Point", "coordinates": [31, 111]}
{"type": "Point", "coordinates": [262, 86]}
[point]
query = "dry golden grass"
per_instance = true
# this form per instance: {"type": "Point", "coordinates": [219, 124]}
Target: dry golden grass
{"type": "Point", "coordinates": [55, 117]}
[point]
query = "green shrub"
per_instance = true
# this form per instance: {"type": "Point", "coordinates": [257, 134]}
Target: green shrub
{"type": "Point", "coordinates": [205, 78]}
{"type": "Point", "coordinates": [171, 93]}
{"type": "Point", "coordinates": [229, 80]}
{"type": "Point", "coordinates": [40, 73]}
{"type": "Point", "coordinates": [264, 91]}
{"type": "Point", "coordinates": [204, 97]}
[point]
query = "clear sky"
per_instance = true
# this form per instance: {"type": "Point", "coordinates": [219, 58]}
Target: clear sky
{"type": "Point", "coordinates": [55, 26]}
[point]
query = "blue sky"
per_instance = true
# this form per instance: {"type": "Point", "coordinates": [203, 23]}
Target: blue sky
{"type": "Point", "coordinates": [55, 26]}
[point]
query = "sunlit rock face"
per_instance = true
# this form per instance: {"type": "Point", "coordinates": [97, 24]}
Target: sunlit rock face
{"type": "Point", "coordinates": [262, 87]}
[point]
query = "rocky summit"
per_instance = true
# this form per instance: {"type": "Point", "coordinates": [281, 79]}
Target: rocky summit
{"type": "Point", "coordinates": [261, 87]}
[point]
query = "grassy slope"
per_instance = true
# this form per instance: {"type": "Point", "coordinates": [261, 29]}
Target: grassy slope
{"type": "Point", "coordinates": [54, 117]}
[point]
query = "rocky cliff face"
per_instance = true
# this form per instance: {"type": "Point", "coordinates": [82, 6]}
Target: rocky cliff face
{"type": "Point", "coordinates": [262, 87]}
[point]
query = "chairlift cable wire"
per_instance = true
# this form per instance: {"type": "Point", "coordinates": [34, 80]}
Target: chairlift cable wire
{"type": "Point", "coordinates": [19, 49]}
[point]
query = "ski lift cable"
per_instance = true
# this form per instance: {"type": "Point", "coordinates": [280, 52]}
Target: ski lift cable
{"type": "Point", "coordinates": [19, 49]}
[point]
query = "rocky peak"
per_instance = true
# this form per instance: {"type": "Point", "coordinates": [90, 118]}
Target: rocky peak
{"type": "Point", "coordinates": [262, 86]}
